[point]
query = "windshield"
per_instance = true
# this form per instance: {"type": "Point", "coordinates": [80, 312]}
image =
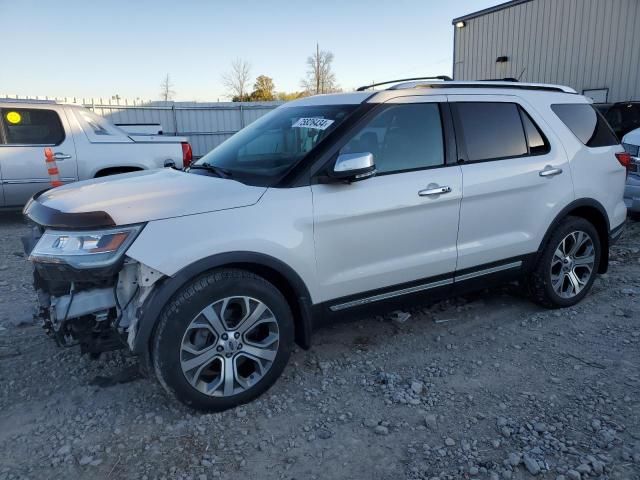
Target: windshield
{"type": "Point", "coordinates": [269, 147]}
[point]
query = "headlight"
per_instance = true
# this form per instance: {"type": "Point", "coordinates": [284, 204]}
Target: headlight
{"type": "Point", "coordinates": [84, 249]}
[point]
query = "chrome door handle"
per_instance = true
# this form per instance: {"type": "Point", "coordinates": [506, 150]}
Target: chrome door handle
{"type": "Point", "coordinates": [61, 156]}
{"type": "Point", "coordinates": [549, 171]}
{"type": "Point", "coordinates": [434, 191]}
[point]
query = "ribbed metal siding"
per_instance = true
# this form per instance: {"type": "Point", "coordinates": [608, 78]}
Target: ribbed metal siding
{"type": "Point", "coordinates": [585, 44]}
{"type": "Point", "coordinates": [206, 125]}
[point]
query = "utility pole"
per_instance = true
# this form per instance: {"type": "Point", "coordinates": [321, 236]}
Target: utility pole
{"type": "Point", "coordinates": [317, 68]}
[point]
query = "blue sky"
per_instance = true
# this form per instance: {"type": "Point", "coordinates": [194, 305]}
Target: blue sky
{"type": "Point", "coordinates": [87, 48]}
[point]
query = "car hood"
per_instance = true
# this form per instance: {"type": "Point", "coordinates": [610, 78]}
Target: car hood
{"type": "Point", "coordinates": [632, 138]}
{"type": "Point", "coordinates": [138, 197]}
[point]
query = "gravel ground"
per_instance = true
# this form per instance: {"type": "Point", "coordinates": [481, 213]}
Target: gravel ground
{"type": "Point", "coordinates": [487, 386]}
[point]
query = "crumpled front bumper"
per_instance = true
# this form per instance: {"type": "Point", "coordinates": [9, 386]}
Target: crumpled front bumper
{"type": "Point", "coordinates": [94, 307]}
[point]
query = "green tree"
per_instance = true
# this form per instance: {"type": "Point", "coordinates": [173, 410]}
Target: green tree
{"type": "Point", "coordinates": [263, 89]}
{"type": "Point", "coordinates": [288, 96]}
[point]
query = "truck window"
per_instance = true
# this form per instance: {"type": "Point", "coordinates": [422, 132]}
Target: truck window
{"type": "Point", "coordinates": [97, 128]}
{"type": "Point", "coordinates": [31, 126]}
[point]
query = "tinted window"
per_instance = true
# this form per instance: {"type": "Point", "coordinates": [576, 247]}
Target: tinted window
{"type": "Point", "coordinates": [491, 130]}
{"type": "Point", "coordinates": [25, 126]}
{"type": "Point", "coordinates": [586, 124]}
{"type": "Point", "coordinates": [402, 137]}
{"type": "Point", "coordinates": [623, 118]}
{"type": "Point", "coordinates": [535, 139]}
{"type": "Point", "coordinates": [268, 148]}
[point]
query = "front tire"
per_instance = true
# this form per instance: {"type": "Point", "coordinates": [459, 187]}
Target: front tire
{"type": "Point", "coordinates": [223, 340]}
{"type": "Point", "coordinates": [566, 270]}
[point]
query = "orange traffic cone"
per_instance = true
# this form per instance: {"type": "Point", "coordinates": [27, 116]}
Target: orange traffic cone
{"type": "Point", "coordinates": [52, 168]}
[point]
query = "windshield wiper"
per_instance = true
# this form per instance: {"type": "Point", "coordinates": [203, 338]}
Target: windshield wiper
{"type": "Point", "coordinates": [218, 171]}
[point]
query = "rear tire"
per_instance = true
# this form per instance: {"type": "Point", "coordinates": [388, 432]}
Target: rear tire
{"type": "Point", "coordinates": [567, 267]}
{"type": "Point", "coordinates": [223, 340]}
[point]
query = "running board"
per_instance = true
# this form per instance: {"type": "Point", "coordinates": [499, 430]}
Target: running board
{"type": "Point", "coordinates": [426, 286]}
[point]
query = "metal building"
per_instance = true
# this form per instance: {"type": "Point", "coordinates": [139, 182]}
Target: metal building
{"type": "Point", "coordinates": [590, 45]}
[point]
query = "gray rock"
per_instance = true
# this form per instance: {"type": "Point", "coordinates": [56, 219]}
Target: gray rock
{"type": "Point", "coordinates": [85, 460]}
{"type": "Point", "coordinates": [532, 465]}
{"type": "Point", "coordinates": [449, 442]}
{"type": "Point", "coordinates": [540, 427]}
{"type": "Point", "coordinates": [514, 459]}
{"type": "Point", "coordinates": [430, 421]}
{"type": "Point", "coordinates": [573, 475]}
{"type": "Point", "coordinates": [583, 469]}
{"type": "Point", "coordinates": [417, 387]}
{"type": "Point", "coordinates": [64, 450]}
{"type": "Point", "coordinates": [381, 430]}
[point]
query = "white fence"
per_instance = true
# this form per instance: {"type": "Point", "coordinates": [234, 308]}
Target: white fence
{"type": "Point", "coordinates": [205, 124]}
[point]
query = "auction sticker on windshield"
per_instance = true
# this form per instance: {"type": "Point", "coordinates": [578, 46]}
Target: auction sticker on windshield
{"type": "Point", "coordinates": [317, 123]}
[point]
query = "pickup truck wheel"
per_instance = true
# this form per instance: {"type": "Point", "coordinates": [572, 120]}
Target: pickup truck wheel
{"type": "Point", "coordinates": [223, 340]}
{"type": "Point", "coordinates": [568, 265]}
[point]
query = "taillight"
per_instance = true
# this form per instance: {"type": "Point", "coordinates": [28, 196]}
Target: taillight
{"type": "Point", "coordinates": [187, 154]}
{"type": "Point", "coordinates": [625, 159]}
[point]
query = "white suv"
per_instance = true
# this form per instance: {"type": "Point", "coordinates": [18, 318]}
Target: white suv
{"type": "Point", "coordinates": [322, 208]}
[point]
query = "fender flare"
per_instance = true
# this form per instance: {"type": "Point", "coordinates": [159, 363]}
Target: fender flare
{"type": "Point", "coordinates": [149, 314]}
{"type": "Point", "coordinates": [581, 203]}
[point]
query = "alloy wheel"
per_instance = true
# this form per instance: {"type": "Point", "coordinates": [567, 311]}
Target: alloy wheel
{"type": "Point", "coordinates": [572, 264]}
{"type": "Point", "coordinates": [229, 346]}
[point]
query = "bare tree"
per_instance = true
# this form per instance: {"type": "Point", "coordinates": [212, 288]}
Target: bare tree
{"type": "Point", "coordinates": [237, 80]}
{"type": "Point", "coordinates": [166, 89]}
{"type": "Point", "coordinates": [320, 77]}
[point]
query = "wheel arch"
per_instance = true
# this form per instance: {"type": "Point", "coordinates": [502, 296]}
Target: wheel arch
{"type": "Point", "coordinates": [596, 214]}
{"type": "Point", "coordinates": [271, 269]}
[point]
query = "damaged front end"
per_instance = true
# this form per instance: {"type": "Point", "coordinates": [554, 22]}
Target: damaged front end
{"type": "Point", "coordinates": [88, 291]}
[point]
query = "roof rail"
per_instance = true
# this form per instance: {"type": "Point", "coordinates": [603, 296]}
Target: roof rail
{"type": "Point", "coordinates": [487, 84]}
{"type": "Point", "coordinates": [505, 79]}
{"type": "Point", "coordinates": [439, 77]}
{"type": "Point", "coordinates": [25, 100]}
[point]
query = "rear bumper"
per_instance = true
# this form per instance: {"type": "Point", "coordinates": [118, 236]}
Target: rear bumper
{"type": "Point", "coordinates": [632, 193]}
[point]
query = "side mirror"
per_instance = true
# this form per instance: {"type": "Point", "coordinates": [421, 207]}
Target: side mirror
{"type": "Point", "coordinates": [354, 166]}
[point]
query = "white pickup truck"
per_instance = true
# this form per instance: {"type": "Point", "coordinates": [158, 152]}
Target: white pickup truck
{"type": "Point", "coordinates": [84, 144]}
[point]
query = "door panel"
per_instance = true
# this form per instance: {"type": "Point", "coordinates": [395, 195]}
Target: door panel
{"type": "Point", "coordinates": [399, 226]}
{"type": "Point", "coordinates": [508, 204]}
{"type": "Point", "coordinates": [380, 232]}
{"type": "Point", "coordinates": [22, 156]}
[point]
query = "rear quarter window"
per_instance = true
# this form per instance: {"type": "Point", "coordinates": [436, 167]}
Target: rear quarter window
{"type": "Point", "coordinates": [586, 123]}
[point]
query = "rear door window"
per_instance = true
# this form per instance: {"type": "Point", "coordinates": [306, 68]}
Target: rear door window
{"type": "Point", "coordinates": [30, 126]}
{"type": "Point", "coordinates": [491, 130]}
{"type": "Point", "coordinates": [586, 123]}
{"type": "Point", "coordinates": [536, 141]}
